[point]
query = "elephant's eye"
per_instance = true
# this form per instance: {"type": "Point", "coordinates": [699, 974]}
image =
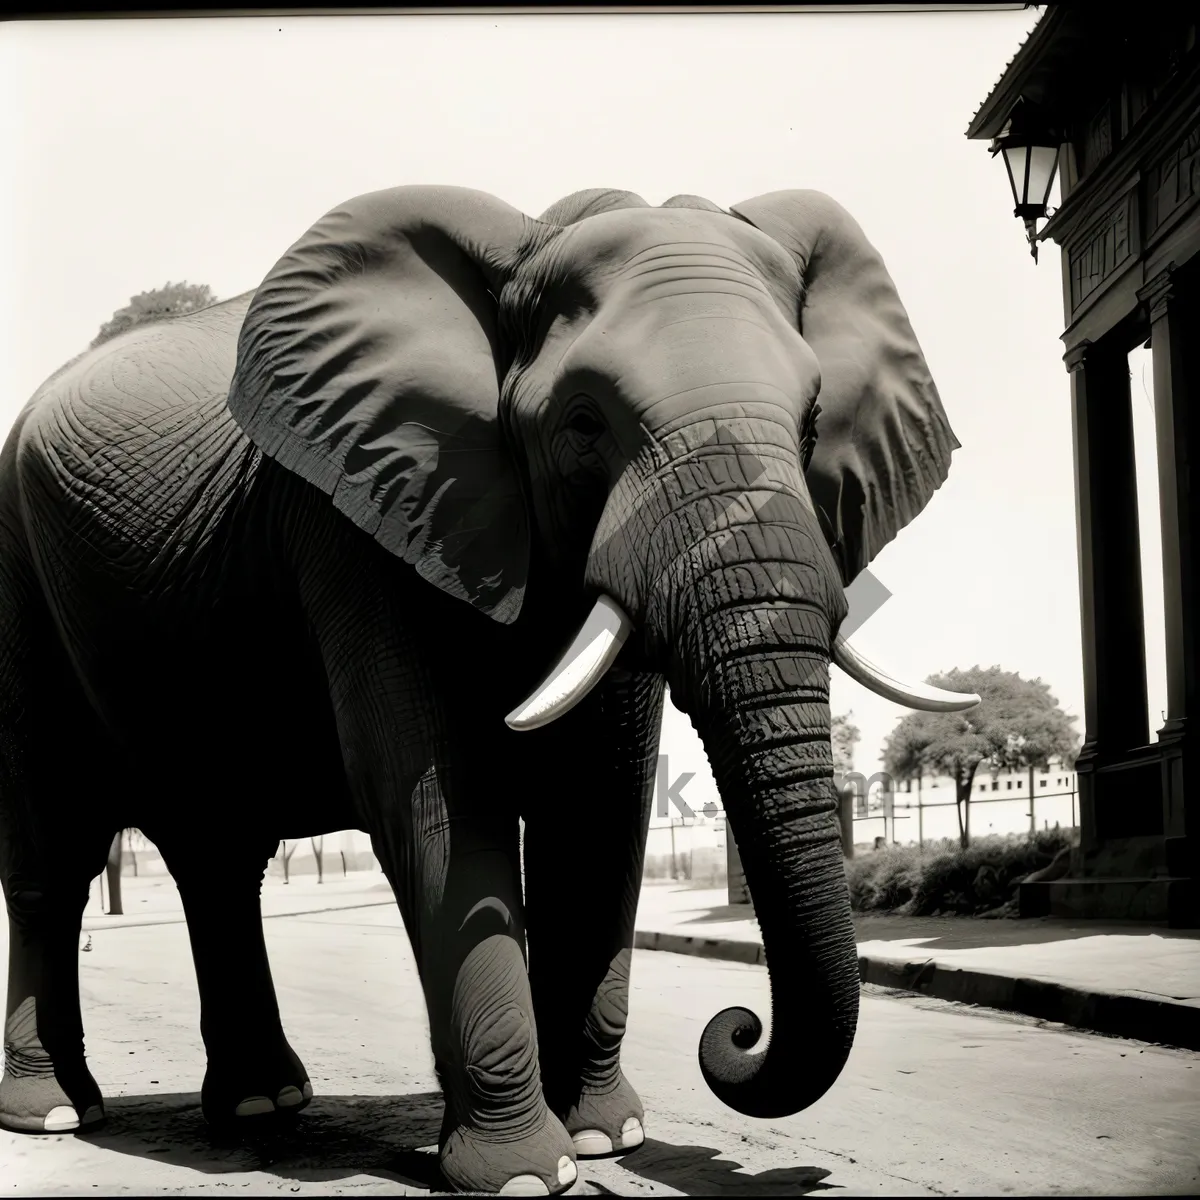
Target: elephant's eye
{"type": "Point", "coordinates": [584, 424]}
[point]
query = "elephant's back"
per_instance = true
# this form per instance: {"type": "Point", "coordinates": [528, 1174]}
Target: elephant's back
{"type": "Point", "coordinates": [129, 460]}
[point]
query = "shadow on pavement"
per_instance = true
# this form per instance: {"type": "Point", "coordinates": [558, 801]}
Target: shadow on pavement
{"type": "Point", "coordinates": [957, 933]}
{"type": "Point", "coordinates": [334, 1138]}
{"type": "Point", "coordinates": [696, 1171]}
{"type": "Point", "coordinates": [724, 912]}
{"type": "Point", "coordinates": [388, 1137]}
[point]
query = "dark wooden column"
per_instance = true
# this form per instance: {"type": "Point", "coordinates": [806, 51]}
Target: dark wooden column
{"type": "Point", "coordinates": [1172, 310]}
{"type": "Point", "coordinates": [1110, 576]}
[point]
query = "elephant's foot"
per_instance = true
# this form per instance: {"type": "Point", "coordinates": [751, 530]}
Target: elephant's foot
{"type": "Point", "coordinates": [606, 1120]}
{"type": "Point", "coordinates": [237, 1089]}
{"type": "Point", "coordinates": [39, 1095]}
{"type": "Point", "coordinates": [538, 1163]}
{"type": "Point", "coordinates": [32, 1104]}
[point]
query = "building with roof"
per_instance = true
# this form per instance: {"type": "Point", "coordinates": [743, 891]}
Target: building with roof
{"type": "Point", "coordinates": [1114, 104]}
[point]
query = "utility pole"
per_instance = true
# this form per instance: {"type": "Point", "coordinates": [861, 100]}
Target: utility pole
{"type": "Point", "coordinates": [920, 813]}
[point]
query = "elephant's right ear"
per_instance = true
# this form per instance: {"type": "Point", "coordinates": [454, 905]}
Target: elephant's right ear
{"type": "Point", "coordinates": [369, 364]}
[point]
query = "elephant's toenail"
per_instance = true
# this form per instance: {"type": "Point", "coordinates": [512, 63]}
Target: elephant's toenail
{"type": "Point", "coordinates": [307, 1090]}
{"type": "Point", "coordinates": [254, 1106]}
{"type": "Point", "coordinates": [289, 1097]}
{"type": "Point", "coordinates": [524, 1185]}
{"type": "Point", "coordinates": [632, 1134]}
{"type": "Point", "coordinates": [92, 1115]}
{"type": "Point", "coordinates": [61, 1119]}
{"type": "Point", "coordinates": [568, 1172]}
{"type": "Point", "coordinates": [591, 1142]}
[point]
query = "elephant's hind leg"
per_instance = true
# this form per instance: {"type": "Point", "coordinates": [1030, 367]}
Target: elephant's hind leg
{"type": "Point", "coordinates": [252, 1069]}
{"type": "Point", "coordinates": [53, 842]}
{"type": "Point", "coordinates": [47, 1087]}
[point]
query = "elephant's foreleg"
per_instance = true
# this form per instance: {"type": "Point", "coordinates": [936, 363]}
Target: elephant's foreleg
{"type": "Point", "coordinates": [252, 1070]}
{"type": "Point", "coordinates": [419, 745]}
{"type": "Point", "coordinates": [456, 871]}
{"type": "Point", "coordinates": [585, 841]}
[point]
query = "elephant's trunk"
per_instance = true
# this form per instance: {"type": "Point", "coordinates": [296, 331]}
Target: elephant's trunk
{"type": "Point", "coordinates": [748, 615]}
{"type": "Point", "coordinates": [771, 759]}
{"type": "Point", "coordinates": [711, 546]}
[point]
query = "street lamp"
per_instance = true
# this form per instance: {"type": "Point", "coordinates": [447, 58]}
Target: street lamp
{"type": "Point", "coordinates": [1030, 148]}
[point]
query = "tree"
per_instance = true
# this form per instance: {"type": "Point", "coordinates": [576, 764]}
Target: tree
{"type": "Point", "coordinates": [844, 737]}
{"type": "Point", "coordinates": [1016, 724]}
{"type": "Point", "coordinates": [284, 855]}
{"type": "Point", "coordinates": [172, 299]}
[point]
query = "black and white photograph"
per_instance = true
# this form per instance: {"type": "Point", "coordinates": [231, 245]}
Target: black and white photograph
{"type": "Point", "coordinates": [600, 600]}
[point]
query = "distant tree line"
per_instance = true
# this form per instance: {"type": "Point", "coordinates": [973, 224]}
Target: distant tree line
{"type": "Point", "coordinates": [170, 300]}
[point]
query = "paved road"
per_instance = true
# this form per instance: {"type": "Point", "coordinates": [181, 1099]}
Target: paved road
{"type": "Point", "coordinates": [935, 1100]}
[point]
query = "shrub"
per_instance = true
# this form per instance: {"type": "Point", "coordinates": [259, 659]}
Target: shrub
{"type": "Point", "coordinates": [942, 877]}
{"type": "Point", "coordinates": [885, 880]}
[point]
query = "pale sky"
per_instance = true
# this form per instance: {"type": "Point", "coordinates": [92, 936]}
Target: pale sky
{"type": "Point", "coordinates": [142, 151]}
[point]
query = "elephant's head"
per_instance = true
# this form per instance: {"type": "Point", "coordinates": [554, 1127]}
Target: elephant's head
{"type": "Point", "coordinates": [626, 397]}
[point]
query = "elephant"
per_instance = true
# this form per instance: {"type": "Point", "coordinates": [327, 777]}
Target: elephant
{"type": "Point", "coordinates": [412, 538]}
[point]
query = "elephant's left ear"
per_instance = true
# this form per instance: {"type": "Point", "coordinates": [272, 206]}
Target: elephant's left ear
{"type": "Point", "coordinates": [368, 363]}
{"type": "Point", "coordinates": [884, 442]}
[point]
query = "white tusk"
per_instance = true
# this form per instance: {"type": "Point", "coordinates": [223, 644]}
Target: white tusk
{"type": "Point", "coordinates": [581, 667]}
{"type": "Point", "coordinates": [921, 696]}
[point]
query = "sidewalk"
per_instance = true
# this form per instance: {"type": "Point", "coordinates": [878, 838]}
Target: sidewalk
{"type": "Point", "coordinates": [1131, 981]}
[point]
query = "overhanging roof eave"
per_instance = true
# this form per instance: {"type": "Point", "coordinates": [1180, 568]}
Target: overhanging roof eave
{"type": "Point", "coordinates": [993, 112]}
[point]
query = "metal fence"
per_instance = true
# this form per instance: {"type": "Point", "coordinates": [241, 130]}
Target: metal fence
{"type": "Point", "coordinates": [886, 807]}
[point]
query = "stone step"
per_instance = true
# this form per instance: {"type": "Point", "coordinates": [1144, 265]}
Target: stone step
{"type": "Point", "coordinates": [1167, 901]}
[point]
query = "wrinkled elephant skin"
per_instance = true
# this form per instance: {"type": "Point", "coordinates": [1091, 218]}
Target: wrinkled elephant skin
{"type": "Point", "coordinates": [286, 564]}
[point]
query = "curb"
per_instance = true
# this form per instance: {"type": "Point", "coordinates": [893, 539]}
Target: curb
{"type": "Point", "coordinates": [726, 949]}
{"type": "Point", "coordinates": [1140, 1018]}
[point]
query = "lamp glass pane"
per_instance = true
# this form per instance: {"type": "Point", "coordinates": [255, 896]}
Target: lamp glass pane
{"type": "Point", "coordinates": [1042, 161]}
{"type": "Point", "coordinates": [1014, 160]}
